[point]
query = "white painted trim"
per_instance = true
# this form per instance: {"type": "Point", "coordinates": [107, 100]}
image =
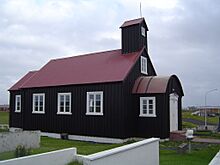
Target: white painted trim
{"type": "Point", "coordinates": [144, 59]}
{"type": "Point", "coordinates": [33, 104]}
{"type": "Point", "coordinates": [64, 113]}
{"type": "Point", "coordinates": [121, 149]}
{"type": "Point", "coordinates": [38, 112]}
{"type": "Point", "coordinates": [173, 104]}
{"type": "Point", "coordinates": [101, 104]}
{"type": "Point", "coordinates": [16, 100]}
{"type": "Point", "coordinates": [141, 107]}
{"type": "Point", "coordinates": [58, 103]}
{"type": "Point", "coordinates": [57, 157]}
{"type": "Point", "coordinates": [95, 114]}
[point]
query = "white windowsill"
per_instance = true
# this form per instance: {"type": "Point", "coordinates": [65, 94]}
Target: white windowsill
{"type": "Point", "coordinates": [38, 112]}
{"type": "Point", "coordinates": [64, 113]}
{"type": "Point", "coordinates": [18, 111]}
{"type": "Point", "coordinates": [141, 115]}
{"type": "Point", "coordinates": [144, 72]}
{"type": "Point", "coordinates": [94, 114]}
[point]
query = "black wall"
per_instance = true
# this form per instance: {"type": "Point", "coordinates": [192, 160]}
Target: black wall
{"type": "Point", "coordinates": [15, 118]}
{"type": "Point", "coordinates": [132, 39]}
{"type": "Point", "coordinates": [111, 124]}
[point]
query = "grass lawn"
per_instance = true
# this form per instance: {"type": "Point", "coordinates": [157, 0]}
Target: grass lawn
{"type": "Point", "coordinates": [187, 115]}
{"type": "Point", "coordinates": [50, 144]}
{"type": "Point", "coordinates": [199, 156]}
{"type": "Point", "coordinates": [188, 125]}
{"type": "Point", "coordinates": [4, 117]}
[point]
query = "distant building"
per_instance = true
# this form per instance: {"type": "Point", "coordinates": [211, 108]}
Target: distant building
{"type": "Point", "coordinates": [4, 107]}
{"type": "Point", "coordinates": [210, 110]}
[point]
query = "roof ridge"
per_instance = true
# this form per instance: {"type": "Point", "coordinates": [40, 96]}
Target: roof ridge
{"type": "Point", "coordinates": [83, 55]}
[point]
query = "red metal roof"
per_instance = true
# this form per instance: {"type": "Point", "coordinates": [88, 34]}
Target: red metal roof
{"type": "Point", "coordinates": [152, 84]}
{"type": "Point", "coordinates": [101, 67]}
{"type": "Point", "coordinates": [132, 22]}
{"type": "Point", "coordinates": [23, 80]}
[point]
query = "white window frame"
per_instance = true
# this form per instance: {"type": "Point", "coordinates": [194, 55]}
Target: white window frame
{"type": "Point", "coordinates": [101, 103]}
{"type": "Point", "coordinates": [141, 107]}
{"type": "Point", "coordinates": [143, 31]}
{"type": "Point", "coordinates": [58, 103]}
{"type": "Point", "coordinates": [17, 109]}
{"type": "Point", "coordinates": [33, 110]}
{"type": "Point", "coordinates": [143, 65]}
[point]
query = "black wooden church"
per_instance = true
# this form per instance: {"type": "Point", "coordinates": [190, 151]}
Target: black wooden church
{"type": "Point", "coordinates": [115, 94]}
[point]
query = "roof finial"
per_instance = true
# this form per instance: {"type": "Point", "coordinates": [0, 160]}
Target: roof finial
{"type": "Point", "coordinates": [140, 11]}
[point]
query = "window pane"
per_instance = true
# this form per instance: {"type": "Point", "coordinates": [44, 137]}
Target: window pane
{"type": "Point", "coordinates": [62, 104]}
{"type": "Point", "coordinates": [61, 109]}
{"type": "Point", "coordinates": [150, 101]}
{"type": "Point", "coordinates": [68, 104]}
{"type": "Point", "coordinates": [41, 98]}
{"type": "Point", "coordinates": [67, 98]}
{"type": "Point", "coordinates": [35, 108]}
{"type": "Point", "coordinates": [145, 111]}
{"type": "Point", "coordinates": [144, 101]}
{"type": "Point", "coordinates": [91, 109]}
{"type": "Point", "coordinates": [36, 103]}
{"type": "Point", "coordinates": [41, 103]}
{"type": "Point", "coordinates": [151, 107]}
{"type": "Point", "coordinates": [41, 109]}
{"type": "Point", "coordinates": [98, 97]}
{"type": "Point", "coordinates": [62, 98]}
{"type": "Point", "coordinates": [67, 109]}
{"type": "Point", "coordinates": [98, 109]}
{"type": "Point", "coordinates": [144, 106]}
{"type": "Point", "coordinates": [91, 100]}
{"type": "Point", "coordinates": [98, 103]}
{"type": "Point", "coordinates": [150, 111]}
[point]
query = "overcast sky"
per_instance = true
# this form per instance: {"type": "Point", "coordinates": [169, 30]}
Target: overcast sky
{"type": "Point", "coordinates": [183, 38]}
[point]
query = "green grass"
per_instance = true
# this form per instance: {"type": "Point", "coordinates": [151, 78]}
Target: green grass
{"type": "Point", "coordinates": [207, 134]}
{"type": "Point", "coordinates": [188, 125]}
{"type": "Point", "coordinates": [200, 156]}
{"type": "Point", "coordinates": [74, 163]}
{"type": "Point", "coordinates": [51, 144]}
{"type": "Point", "coordinates": [188, 115]}
{"type": "Point", "coordinates": [4, 117]}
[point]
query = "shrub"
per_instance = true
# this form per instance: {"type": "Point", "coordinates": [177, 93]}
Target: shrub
{"type": "Point", "coordinates": [75, 163]}
{"type": "Point", "coordinates": [21, 151]}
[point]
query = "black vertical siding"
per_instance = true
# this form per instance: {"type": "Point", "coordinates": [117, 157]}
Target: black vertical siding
{"type": "Point", "coordinates": [132, 39]}
{"type": "Point", "coordinates": [15, 118]}
{"type": "Point", "coordinates": [111, 124]}
{"type": "Point", "coordinates": [131, 104]}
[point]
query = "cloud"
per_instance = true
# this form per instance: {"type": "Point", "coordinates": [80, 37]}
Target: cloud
{"type": "Point", "coordinates": [183, 37]}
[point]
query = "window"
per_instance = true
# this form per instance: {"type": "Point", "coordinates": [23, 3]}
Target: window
{"type": "Point", "coordinates": [147, 107]}
{"type": "Point", "coordinates": [94, 103]}
{"type": "Point", "coordinates": [143, 65]}
{"type": "Point", "coordinates": [142, 31]}
{"type": "Point", "coordinates": [38, 103]}
{"type": "Point", "coordinates": [18, 103]}
{"type": "Point", "coordinates": [64, 103]}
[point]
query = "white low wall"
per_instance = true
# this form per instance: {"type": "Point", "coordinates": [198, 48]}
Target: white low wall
{"type": "Point", "coordinates": [86, 138]}
{"type": "Point", "coordinates": [59, 157]}
{"type": "Point", "coordinates": [216, 159]}
{"type": "Point", "coordinates": [145, 152]}
{"type": "Point", "coordinates": [10, 140]}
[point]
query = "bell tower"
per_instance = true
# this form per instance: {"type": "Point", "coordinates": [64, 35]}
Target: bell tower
{"type": "Point", "coordinates": [134, 35]}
